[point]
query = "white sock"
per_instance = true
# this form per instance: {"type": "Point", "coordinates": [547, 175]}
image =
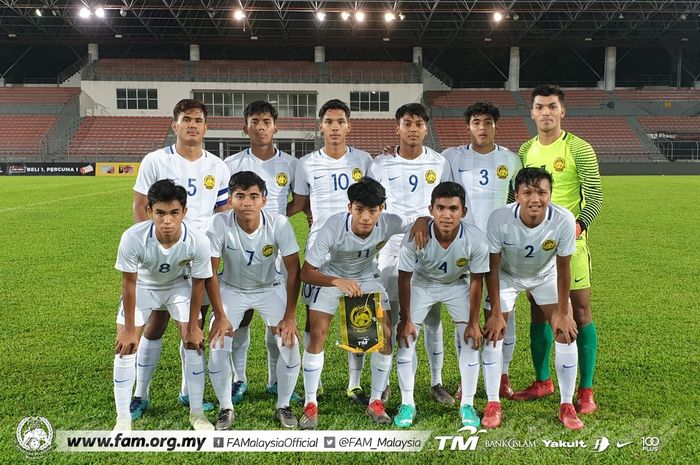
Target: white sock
{"type": "Point", "coordinates": [194, 366]}
{"type": "Point", "coordinates": [239, 353]}
{"type": "Point", "coordinates": [313, 366]}
{"type": "Point", "coordinates": [220, 373]}
{"type": "Point", "coordinates": [468, 368]}
{"type": "Point", "coordinates": [273, 354]}
{"type": "Point", "coordinates": [509, 343]}
{"type": "Point", "coordinates": [566, 361]}
{"type": "Point", "coordinates": [147, 357]}
{"type": "Point", "coordinates": [124, 379]}
{"type": "Point", "coordinates": [491, 358]}
{"type": "Point", "coordinates": [355, 364]}
{"type": "Point", "coordinates": [288, 365]}
{"type": "Point", "coordinates": [404, 369]}
{"type": "Point", "coordinates": [435, 348]}
{"type": "Point", "coordinates": [183, 374]}
{"type": "Point", "coordinates": [381, 365]}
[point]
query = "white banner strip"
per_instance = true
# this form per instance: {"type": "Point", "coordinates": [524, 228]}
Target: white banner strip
{"type": "Point", "coordinates": [241, 441]}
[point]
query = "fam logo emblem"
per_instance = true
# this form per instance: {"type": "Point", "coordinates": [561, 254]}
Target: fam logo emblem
{"type": "Point", "coordinates": [549, 244]}
{"type": "Point", "coordinates": [281, 179]}
{"type": "Point", "coordinates": [380, 245]}
{"type": "Point", "coordinates": [361, 317]}
{"type": "Point", "coordinates": [463, 261]}
{"type": "Point", "coordinates": [559, 164]}
{"type": "Point", "coordinates": [209, 181]}
{"type": "Point", "coordinates": [430, 176]}
{"type": "Point", "coordinates": [34, 436]}
{"type": "Point", "coordinates": [268, 250]}
{"type": "Point", "coordinates": [502, 171]}
{"type": "Point", "coordinates": [356, 174]}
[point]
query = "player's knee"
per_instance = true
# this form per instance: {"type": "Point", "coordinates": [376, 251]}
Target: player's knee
{"type": "Point", "coordinates": [562, 340]}
{"type": "Point", "coordinates": [582, 315]}
{"type": "Point", "coordinates": [155, 328]}
{"type": "Point", "coordinates": [537, 315]}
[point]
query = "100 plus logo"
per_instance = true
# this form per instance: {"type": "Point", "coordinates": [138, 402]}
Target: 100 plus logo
{"type": "Point", "coordinates": [460, 442]}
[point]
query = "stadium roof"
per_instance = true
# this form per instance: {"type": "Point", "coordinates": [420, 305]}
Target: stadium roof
{"type": "Point", "coordinates": [437, 23]}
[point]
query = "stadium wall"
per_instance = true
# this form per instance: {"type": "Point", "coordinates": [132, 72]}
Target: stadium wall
{"type": "Point", "coordinates": [100, 97]}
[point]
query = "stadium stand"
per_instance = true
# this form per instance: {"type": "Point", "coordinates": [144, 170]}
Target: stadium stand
{"type": "Point", "coordinates": [681, 126]}
{"type": "Point", "coordinates": [464, 98]}
{"type": "Point", "coordinates": [246, 70]}
{"type": "Point", "coordinates": [611, 136]}
{"type": "Point", "coordinates": [24, 135]}
{"type": "Point", "coordinates": [372, 134]}
{"type": "Point", "coordinates": [118, 137]}
{"type": "Point", "coordinates": [37, 95]}
{"type": "Point", "coordinates": [236, 123]}
{"type": "Point", "coordinates": [452, 132]}
{"type": "Point", "coordinates": [658, 94]}
{"type": "Point", "coordinates": [590, 98]}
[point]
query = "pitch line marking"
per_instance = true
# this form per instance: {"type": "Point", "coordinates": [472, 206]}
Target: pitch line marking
{"type": "Point", "coordinates": [3, 210]}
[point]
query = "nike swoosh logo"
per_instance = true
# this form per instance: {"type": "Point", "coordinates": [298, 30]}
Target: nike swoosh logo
{"type": "Point", "coordinates": [383, 371]}
{"type": "Point", "coordinates": [623, 444]}
{"type": "Point", "coordinates": [473, 364]}
{"type": "Point", "coordinates": [506, 344]}
{"type": "Point", "coordinates": [579, 280]}
{"type": "Point", "coordinates": [403, 363]}
{"type": "Point", "coordinates": [438, 353]}
{"type": "Point", "coordinates": [462, 171]}
{"type": "Point", "coordinates": [569, 366]}
{"type": "Point", "coordinates": [118, 381]}
{"type": "Point", "coordinates": [288, 367]}
{"type": "Point", "coordinates": [487, 364]}
{"type": "Point", "coordinates": [197, 372]}
{"type": "Point", "coordinates": [215, 372]}
{"type": "Point", "coordinates": [507, 243]}
{"type": "Point", "coordinates": [142, 365]}
{"type": "Point", "coordinates": [395, 177]}
{"type": "Point", "coordinates": [306, 370]}
{"type": "Point", "coordinates": [229, 247]}
{"type": "Point", "coordinates": [319, 177]}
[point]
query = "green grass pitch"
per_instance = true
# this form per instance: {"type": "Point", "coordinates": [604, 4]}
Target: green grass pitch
{"type": "Point", "coordinates": [59, 293]}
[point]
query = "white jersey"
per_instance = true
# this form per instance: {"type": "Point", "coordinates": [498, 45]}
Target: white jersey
{"type": "Point", "coordinates": [408, 184]}
{"type": "Point", "coordinates": [249, 259]}
{"type": "Point", "coordinates": [529, 252]}
{"type": "Point", "coordinates": [326, 180]}
{"type": "Point", "coordinates": [351, 256]}
{"type": "Point", "coordinates": [160, 268]}
{"type": "Point", "coordinates": [486, 179]}
{"type": "Point", "coordinates": [278, 173]}
{"type": "Point", "coordinates": [205, 179]}
{"type": "Point", "coordinates": [468, 253]}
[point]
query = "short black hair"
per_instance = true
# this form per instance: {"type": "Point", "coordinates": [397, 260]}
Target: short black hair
{"type": "Point", "coordinates": [448, 189]}
{"type": "Point", "coordinates": [482, 108]}
{"type": "Point", "coordinates": [166, 191]}
{"type": "Point", "coordinates": [334, 104]}
{"type": "Point", "coordinates": [257, 107]}
{"type": "Point", "coordinates": [532, 176]}
{"type": "Point", "coordinates": [368, 192]}
{"type": "Point", "coordinates": [244, 180]}
{"type": "Point", "coordinates": [412, 109]}
{"type": "Point", "coordinates": [187, 104]}
{"type": "Point", "coordinates": [545, 90]}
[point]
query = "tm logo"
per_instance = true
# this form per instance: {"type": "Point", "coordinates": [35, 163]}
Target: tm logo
{"type": "Point", "coordinates": [461, 442]}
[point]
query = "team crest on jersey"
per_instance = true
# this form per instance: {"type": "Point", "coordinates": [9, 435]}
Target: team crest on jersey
{"type": "Point", "coordinates": [356, 174]}
{"type": "Point", "coordinates": [184, 261]}
{"type": "Point", "coordinates": [549, 244]}
{"type": "Point", "coordinates": [461, 262]}
{"type": "Point", "coordinates": [381, 244]}
{"type": "Point", "coordinates": [430, 176]}
{"type": "Point", "coordinates": [209, 181]}
{"type": "Point", "coordinates": [281, 179]}
{"type": "Point", "coordinates": [268, 250]}
{"type": "Point", "coordinates": [361, 317]}
{"type": "Point", "coordinates": [502, 171]}
{"type": "Point", "coordinates": [559, 164]}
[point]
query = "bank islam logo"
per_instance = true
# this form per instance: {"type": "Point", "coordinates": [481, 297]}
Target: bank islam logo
{"type": "Point", "coordinates": [34, 436]}
{"type": "Point", "coordinates": [460, 442]}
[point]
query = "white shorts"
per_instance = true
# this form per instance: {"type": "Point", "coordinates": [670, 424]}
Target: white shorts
{"type": "Point", "coordinates": [269, 302]}
{"type": "Point", "coordinates": [389, 275]}
{"type": "Point", "coordinates": [542, 288]}
{"type": "Point", "coordinates": [175, 301]}
{"type": "Point", "coordinates": [326, 299]}
{"type": "Point", "coordinates": [454, 296]}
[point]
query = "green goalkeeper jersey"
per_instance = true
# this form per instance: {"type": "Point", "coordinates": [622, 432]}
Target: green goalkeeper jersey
{"type": "Point", "coordinates": [574, 167]}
